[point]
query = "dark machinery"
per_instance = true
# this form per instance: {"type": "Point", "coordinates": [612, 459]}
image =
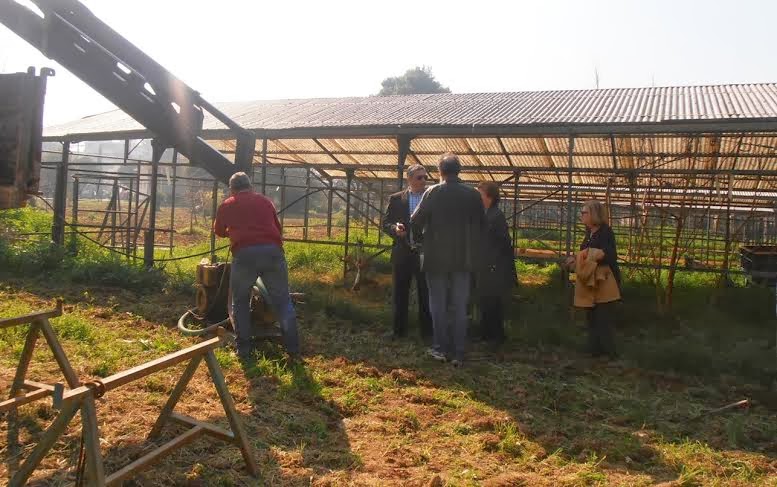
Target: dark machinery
{"type": "Point", "coordinates": [21, 130]}
{"type": "Point", "coordinates": [214, 307]}
{"type": "Point", "coordinates": [759, 263]}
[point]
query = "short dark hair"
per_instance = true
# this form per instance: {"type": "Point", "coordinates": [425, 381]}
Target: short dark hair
{"type": "Point", "coordinates": [491, 189]}
{"type": "Point", "coordinates": [239, 181]}
{"type": "Point", "coordinates": [449, 164]}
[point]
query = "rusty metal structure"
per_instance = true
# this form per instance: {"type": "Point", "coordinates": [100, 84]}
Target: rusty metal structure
{"type": "Point", "coordinates": [688, 173]}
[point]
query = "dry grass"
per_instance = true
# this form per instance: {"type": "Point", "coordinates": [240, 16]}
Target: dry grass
{"type": "Point", "coordinates": [365, 412]}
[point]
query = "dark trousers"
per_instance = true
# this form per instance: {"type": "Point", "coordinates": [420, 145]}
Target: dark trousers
{"type": "Point", "coordinates": [601, 329]}
{"type": "Point", "coordinates": [492, 315]}
{"type": "Point", "coordinates": [404, 271]}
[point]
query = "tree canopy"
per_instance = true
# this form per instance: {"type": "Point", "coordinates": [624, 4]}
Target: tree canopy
{"type": "Point", "coordinates": [418, 80]}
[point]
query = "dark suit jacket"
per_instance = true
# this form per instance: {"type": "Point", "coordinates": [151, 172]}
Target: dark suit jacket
{"type": "Point", "coordinates": [398, 211]}
{"type": "Point", "coordinates": [497, 274]}
{"type": "Point", "coordinates": [452, 218]}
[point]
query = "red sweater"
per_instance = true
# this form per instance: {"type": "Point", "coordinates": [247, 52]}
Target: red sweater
{"type": "Point", "coordinates": [248, 219]}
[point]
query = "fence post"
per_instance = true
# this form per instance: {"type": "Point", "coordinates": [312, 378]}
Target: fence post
{"type": "Point", "coordinates": [74, 217]}
{"type": "Point", "coordinates": [349, 182]}
{"type": "Point", "coordinates": [307, 205]}
{"type": "Point", "coordinates": [516, 194]}
{"type": "Point", "coordinates": [330, 197]}
{"type": "Point", "coordinates": [157, 151]}
{"type": "Point", "coordinates": [60, 196]}
{"type": "Point", "coordinates": [214, 206]}
{"type": "Point", "coordinates": [264, 166]}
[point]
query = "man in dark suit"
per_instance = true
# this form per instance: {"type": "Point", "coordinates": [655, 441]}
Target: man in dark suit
{"type": "Point", "coordinates": [404, 254]}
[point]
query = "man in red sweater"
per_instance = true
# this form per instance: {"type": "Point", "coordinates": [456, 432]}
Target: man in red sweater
{"type": "Point", "coordinates": [250, 221]}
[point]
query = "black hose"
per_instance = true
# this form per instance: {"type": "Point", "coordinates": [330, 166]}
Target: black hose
{"type": "Point", "coordinates": [195, 332]}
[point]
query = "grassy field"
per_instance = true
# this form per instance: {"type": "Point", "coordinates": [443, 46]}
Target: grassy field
{"type": "Point", "coordinates": [361, 411]}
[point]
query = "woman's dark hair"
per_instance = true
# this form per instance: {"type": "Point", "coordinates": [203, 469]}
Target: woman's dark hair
{"type": "Point", "coordinates": [491, 189]}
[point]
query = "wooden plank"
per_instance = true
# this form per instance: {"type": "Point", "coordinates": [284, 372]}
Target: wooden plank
{"type": "Point", "coordinates": [229, 408]}
{"type": "Point", "coordinates": [29, 318]}
{"type": "Point", "coordinates": [42, 448]}
{"type": "Point", "coordinates": [209, 428]}
{"type": "Point", "coordinates": [32, 385]}
{"type": "Point", "coordinates": [154, 455]}
{"type": "Point", "coordinates": [178, 390]}
{"type": "Point", "coordinates": [95, 472]}
{"type": "Point", "coordinates": [24, 360]}
{"type": "Point", "coordinates": [16, 387]}
{"type": "Point", "coordinates": [59, 354]}
{"type": "Point", "coordinates": [19, 401]}
{"type": "Point", "coordinates": [143, 370]}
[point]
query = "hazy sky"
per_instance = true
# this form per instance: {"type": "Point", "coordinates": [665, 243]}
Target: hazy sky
{"type": "Point", "coordinates": [244, 50]}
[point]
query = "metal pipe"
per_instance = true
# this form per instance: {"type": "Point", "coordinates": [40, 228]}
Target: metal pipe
{"type": "Point", "coordinates": [329, 201]}
{"type": "Point", "coordinates": [60, 197]}
{"type": "Point", "coordinates": [264, 166]}
{"type": "Point", "coordinates": [349, 182]}
{"type": "Point", "coordinates": [150, 238]}
{"type": "Point", "coordinates": [569, 195]}
{"type": "Point", "coordinates": [307, 205]}
{"type": "Point", "coordinates": [213, 210]}
{"type": "Point", "coordinates": [128, 243]}
{"type": "Point", "coordinates": [516, 177]}
{"type": "Point", "coordinates": [74, 217]}
{"type": "Point", "coordinates": [172, 200]}
{"type": "Point", "coordinates": [116, 208]}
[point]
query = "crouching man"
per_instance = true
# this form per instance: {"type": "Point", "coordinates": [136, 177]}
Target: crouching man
{"type": "Point", "coordinates": [250, 221]}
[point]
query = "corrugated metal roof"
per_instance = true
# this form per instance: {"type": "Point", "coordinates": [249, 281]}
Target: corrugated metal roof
{"type": "Point", "coordinates": [574, 107]}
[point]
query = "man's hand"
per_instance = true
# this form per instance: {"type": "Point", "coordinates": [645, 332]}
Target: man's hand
{"type": "Point", "coordinates": [400, 230]}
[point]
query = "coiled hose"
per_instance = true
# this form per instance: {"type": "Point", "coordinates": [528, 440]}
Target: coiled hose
{"type": "Point", "coordinates": [259, 288]}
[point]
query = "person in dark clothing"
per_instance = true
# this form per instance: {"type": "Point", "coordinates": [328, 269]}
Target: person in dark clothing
{"type": "Point", "coordinates": [451, 218]}
{"type": "Point", "coordinates": [601, 317]}
{"type": "Point", "coordinates": [405, 258]}
{"type": "Point", "coordinates": [497, 274]}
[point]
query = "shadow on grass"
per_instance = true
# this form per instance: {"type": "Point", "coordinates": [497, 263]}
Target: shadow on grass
{"type": "Point", "coordinates": [545, 405]}
{"type": "Point", "coordinates": [296, 433]}
{"type": "Point", "coordinates": [643, 414]}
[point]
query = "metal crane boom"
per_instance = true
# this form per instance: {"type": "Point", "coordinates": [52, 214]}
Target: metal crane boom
{"type": "Point", "coordinates": [72, 35]}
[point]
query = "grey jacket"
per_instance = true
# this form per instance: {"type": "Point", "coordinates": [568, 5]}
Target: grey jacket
{"type": "Point", "coordinates": [452, 220]}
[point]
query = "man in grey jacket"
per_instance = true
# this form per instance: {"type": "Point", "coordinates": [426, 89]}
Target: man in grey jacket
{"type": "Point", "coordinates": [452, 218]}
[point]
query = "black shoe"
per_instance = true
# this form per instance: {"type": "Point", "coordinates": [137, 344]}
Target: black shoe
{"type": "Point", "coordinates": [295, 359]}
{"type": "Point", "coordinates": [392, 335]}
{"type": "Point", "coordinates": [247, 357]}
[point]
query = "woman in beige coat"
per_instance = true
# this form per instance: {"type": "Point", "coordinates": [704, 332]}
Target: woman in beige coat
{"type": "Point", "coordinates": [598, 281]}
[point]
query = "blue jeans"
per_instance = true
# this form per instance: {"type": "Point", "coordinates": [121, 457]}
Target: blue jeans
{"type": "Point", "coordinates": [268, 262]}
{"type": "Point", "coordinates": [448, 297]}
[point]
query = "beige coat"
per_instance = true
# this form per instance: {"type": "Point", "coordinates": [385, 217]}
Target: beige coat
{"type": "Point", "coordinates": [595, 283]}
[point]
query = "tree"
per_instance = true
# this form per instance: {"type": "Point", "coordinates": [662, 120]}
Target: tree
{"type": "Point", "coordinates": [418, 80]}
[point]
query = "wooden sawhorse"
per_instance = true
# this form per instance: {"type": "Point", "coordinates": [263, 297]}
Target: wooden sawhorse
{"type": "Point", "coordinates": [82, 397]}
